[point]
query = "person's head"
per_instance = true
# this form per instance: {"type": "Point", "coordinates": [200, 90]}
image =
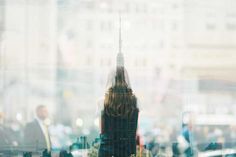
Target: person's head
{"type": "Point", "coordinates": [120, 100]}
{"type": "Point", "coordinates": [188, 120]}
{"type": "Point", "coordinates": [42, 112]}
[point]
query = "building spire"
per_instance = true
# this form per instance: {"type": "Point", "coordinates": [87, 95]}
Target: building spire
{"type": "Point", "coordinates": [120, 57]}
{"type": "Point", "coordinates": [120, 39]}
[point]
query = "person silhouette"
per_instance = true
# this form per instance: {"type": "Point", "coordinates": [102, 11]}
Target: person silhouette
{"type": "Point", "coordinates": [119, 117]}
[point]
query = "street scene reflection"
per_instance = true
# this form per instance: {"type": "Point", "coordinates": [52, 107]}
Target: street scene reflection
{"type": "Point", "coordinates": [103, 78]}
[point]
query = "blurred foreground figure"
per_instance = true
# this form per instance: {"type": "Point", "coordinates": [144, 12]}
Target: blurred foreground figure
{"type": "Point", "coordinates": [4, 137]}
{"type": "Point", "coordinates": [119, 116]}
{"type": "Point", "coordinates": [185, 140]}
{"type": "Point", "coordinates": [36, 135]}
{"type": "Point", "coordinates": [187, 134]}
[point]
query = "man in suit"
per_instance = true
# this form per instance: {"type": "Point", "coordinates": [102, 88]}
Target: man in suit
{"type": "Point", "coordinates": [36, 135]}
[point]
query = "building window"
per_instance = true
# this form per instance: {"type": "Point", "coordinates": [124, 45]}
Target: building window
{"type": "Point", "coordinates": [106, 26]}
{"type": "Point", "coordinates": [210, 26]}
{"type": "Point", "coordinates": [89, 25]}
{"type": "Point", "coordinates": [174, 26]}
{"type": "Point", "coordinates": [231, 26]}
{"type": "Point", "coordinates": [89, 44]}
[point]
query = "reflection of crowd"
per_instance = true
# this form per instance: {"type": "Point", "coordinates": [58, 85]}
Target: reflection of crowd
{"type": "Point", "coordinates": [35, 135]}
{"type": "Point", "coordinates": [4, 139]}
{"type": "Point", "coordinates": [9, 136]}
{"type": "Point", "coordinates": [218, 134]}
{"type": "Point", "coordinates": [158, 140]}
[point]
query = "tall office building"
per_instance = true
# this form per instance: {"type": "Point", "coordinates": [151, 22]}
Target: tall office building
{"type": "Point", "coordinates": [179, 54]}
{"type": "Point", "coordinates": [173, 49]}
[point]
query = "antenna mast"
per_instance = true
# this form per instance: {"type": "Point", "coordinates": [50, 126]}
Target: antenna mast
{"type": "Point", "coordinates": [120, 39]}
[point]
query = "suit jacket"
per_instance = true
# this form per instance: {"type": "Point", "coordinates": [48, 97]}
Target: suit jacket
{"type": "Point", "coordinates": [34, 137]}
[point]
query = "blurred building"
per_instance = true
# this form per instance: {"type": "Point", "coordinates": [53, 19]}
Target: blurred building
{"type": "Point", "coordinates": [28, 57]}
{"type": "Point", "coordinates": [180, 56]}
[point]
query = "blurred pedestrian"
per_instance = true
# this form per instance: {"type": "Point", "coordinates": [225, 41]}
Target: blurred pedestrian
{"type": "Point", "coordinates": [5, 141]}
{"type": "Point", "coordinates": [185, 140]}
{"type": "Point", "coordinates": [36, 134]}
